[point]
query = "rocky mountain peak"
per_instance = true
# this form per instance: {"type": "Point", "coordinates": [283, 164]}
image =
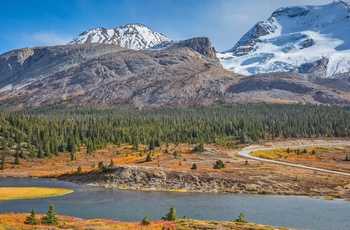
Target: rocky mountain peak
{"type": "Point", "coordinates": [132, 36]}
{"type": "Point", "coordinates": [294, 38]}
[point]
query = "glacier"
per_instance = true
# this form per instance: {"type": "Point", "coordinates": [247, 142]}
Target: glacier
{"type": "Point", "coordinates": [305, 39]}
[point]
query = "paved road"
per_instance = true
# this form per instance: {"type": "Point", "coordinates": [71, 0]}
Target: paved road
{"type": "Point", "coordinates": [246, 153]}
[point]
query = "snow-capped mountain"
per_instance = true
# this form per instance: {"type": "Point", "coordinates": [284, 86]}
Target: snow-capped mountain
{"type": "Point", "coordinates": [306, 39]}
{"type": "Point", "coordinates": [132, 36]}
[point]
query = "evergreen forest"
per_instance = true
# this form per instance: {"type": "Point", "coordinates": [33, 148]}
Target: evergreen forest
{"type": "Point", "coordinates": [46, 131]}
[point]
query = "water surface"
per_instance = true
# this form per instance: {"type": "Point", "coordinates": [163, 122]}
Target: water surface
{"type": "Point", "coordinates": [95, 202]}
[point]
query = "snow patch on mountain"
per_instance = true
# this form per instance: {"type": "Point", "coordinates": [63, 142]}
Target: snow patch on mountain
{"type": "Point", "coordinates": [132, 36]}
{"type": "Point", "coordinates": [304, 39]}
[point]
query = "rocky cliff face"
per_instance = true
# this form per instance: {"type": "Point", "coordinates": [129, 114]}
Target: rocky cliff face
{"type": "Point", "coordinates": [200, 45]}
{"type": "Point", "coordinates": [132, 36]}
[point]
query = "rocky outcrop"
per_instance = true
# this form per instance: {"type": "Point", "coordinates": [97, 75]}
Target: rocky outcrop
{"type": "Point", "coordinates": [157, 179]}
{"type": "Point", "coordinates": [160, 179]}
{"type": "Point", "coordinates": [317, 68]}
{"type": "Point", "coordinates": [201, 45]}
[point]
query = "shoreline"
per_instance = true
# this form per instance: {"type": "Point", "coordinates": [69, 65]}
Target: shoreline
{"type": "Point", "coordinates": [154, 179]}
{"type": "Point", "coordinates": [256, 178]}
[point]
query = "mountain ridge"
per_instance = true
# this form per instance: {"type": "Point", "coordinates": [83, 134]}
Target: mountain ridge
{"type": "Point", "coordinates": [109, 69]}
{"type": "Point", "coordinates": [295, 39]}
{"type": "Point", "coordinates": [103, 75]}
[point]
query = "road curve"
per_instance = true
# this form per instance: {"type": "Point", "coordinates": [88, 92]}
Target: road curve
{"type": "Point", "coordinates": [246, 153]}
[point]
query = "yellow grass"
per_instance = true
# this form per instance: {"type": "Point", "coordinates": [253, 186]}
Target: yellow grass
{"type": "Point", "coordinates": [14, 193]}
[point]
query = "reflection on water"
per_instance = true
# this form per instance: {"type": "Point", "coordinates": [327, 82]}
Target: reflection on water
{"type": "Point", "coordinates": [94, 202]}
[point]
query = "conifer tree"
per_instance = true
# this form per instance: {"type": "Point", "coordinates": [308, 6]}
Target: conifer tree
{"type": "Point", "coordinates": [50, 217]}
{"type": "Point", "coordinates": [171, 216]}
{"type": "Point", "coordinates": [219, 165]}
{"type": "Point", "coordinates": [71, 145]}
{"type": "Point", "coordinates": [151, 145]}
{"type": "Point", "coordinates": [21, 154]}
{"type": "Point", "coordinates": [145, 221]}
{"type": "Point", "coordinates": [31, 219]}
{"type": "Point", "coordinates": [194, 166]}
{"type": "Point", "coordinates": [241, 218]}
{"type": "Point", "coordinates": [199, 148]}
{"type": "Point", "coordinates": [148, 158]}
{"type": "Point", "coordinates": [40, 153]}
{"type": "Point", "coordinates": [16, 158]}
{"type": "Point", "coordinates": [72, 156]}
{"type": "Point", "coordinates": [3, 162]}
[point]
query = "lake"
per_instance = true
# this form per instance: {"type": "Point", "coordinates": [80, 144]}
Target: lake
{"type": "Point", "coordinates": [97, 202]}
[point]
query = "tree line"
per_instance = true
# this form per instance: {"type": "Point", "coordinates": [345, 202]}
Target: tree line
{"type": "Point", "coordinates": [46, 131]}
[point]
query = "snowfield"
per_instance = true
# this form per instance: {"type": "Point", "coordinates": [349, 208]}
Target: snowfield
{"type": "Point", "coordinates": [132, 36]}
{"type": "Point", "coordinates": [292, 37]}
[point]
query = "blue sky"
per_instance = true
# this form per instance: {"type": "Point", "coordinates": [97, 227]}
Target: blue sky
{"type": "Point", "coordinates": [29, 23]}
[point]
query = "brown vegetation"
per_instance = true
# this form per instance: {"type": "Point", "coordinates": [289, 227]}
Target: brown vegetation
{"type": "Point", "coordinates": [16, 221]}
{"type": "Point", "coordinates": [332, 158]}
{"type": "Point", "coordinates": [174, 163]}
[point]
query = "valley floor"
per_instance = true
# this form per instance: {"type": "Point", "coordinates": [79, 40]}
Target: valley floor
{"type": "Point", "coordinates": [170, 169]}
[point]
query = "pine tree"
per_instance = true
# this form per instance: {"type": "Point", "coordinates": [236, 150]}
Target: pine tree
{"type": "Point", "coordinates": [50, 217]}
{"type": "Point", "coordinates": [151, 145]}
{"type": "Point", "coordinates": [16, 158]}
{"type": "Point", "coordinates": [72, 156]}
{"type": "Point", "coordinates": [71, 145]}
{"type": "Point", "coordinates": [88, 147]}
{"type": "Point", "coordinates": [148, 158]}
{"type": "Point", "coordinates": [157, 143]}
{"type": "Point", "coordinates": [199, 148]}
{"type": "Point", "coordinates": [135, 144]}
{"type": "Point", "coordinates": [40, 153]}
{"type": "Point", "coordinates": [21, 154]}
{"type": "Point", "coordinates": [171, 216]}
{"type": "Point", "coordinates": [31, 150]}
{"type": "Point", "coordinates": [194, 166]}
{"type": "Point", "coordinates": [4, 146]}
{"type": "Point", "coordinates": [32, 220]}
{"type": "Point", "coordinates": [145, 221]}
{"type": "Point", "coordinates": [219, 165]}
{"type": "Point", "coordinates": [241, 218]}
{"type": "Point", "coordinates": [3, 162]}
